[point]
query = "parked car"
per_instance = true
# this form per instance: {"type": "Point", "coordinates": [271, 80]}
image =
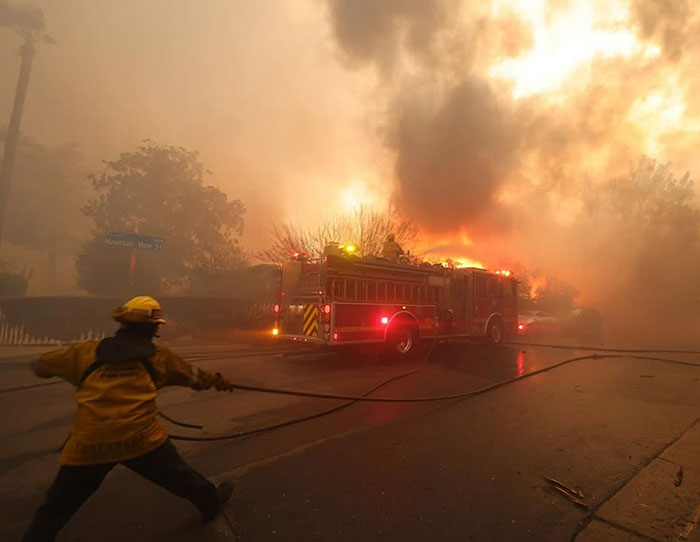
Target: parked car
{"type": "Point", "coordinates": [584, 324]}
{"type": "Point", "coordinates": [538, 323]}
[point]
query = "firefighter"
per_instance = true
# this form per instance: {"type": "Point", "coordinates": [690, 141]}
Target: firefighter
{"type": "Point", "coordinates": [391, 250]}
{"type": "Point", "coordinates": [332, 249]}
{"type": "Point", "coordinates": [116, 381]}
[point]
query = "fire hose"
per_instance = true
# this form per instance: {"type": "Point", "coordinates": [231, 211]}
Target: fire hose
{"type": "Point", "coordinates": [364, 397]}
{"type": "Point", "coordinates": [351, 399]}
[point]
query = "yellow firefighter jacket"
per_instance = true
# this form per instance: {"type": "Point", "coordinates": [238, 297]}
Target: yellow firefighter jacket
{"type": "Point", "coordinates": [116, 416]}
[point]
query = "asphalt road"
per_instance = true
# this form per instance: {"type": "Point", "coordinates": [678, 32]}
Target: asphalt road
{"type": "Point", "coordinates": [469, 469]}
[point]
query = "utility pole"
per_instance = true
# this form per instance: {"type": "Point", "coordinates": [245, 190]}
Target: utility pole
{"type": "Point", "coordinates": [12, 137]}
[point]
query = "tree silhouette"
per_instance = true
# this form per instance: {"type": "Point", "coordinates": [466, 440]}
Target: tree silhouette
{"type": "Point", "coordinates": [159, 191]}
{"type": "Point", "coordinates": [366, 228]}
{"type": "Point", "coordinates": [47, 197]}
{"type": "Point", "coordinates": [642, 239]}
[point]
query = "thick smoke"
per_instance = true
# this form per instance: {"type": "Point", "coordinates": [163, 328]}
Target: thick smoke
{"type": "Point", "coordinates": [459, 138]}
{"type": "Point", "coordinates": [465, 149]}
{"type": "Point", "coordinates": [554, 178]}
{"type": "Point", "coordinates": [456, 138]}
{"type": "Point", "coordinates": [378, 32]}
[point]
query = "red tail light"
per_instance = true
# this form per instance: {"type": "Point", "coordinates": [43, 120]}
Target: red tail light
{"type": "Point", "coordinates": [277, 308]}
{"type": "Point", "coordinates": [327, 308]}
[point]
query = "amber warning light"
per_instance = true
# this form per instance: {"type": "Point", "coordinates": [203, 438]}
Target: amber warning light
{"type": "Point", "coordinates": [275, 331]}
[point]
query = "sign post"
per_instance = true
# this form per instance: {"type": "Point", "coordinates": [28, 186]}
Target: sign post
{"type": "Point", "coordinates": [134, 242]}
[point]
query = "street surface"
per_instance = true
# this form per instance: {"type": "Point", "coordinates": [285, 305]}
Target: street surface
{"type": "Point", "coordinates": [622, 431]}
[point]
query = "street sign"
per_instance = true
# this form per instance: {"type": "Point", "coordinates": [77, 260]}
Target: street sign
{"type": "Point", "coordinates": [132, 240]}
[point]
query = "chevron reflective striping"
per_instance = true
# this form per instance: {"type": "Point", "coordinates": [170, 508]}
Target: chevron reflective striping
{"type": "Point", "coordinates": [310, 327]}
{"type": "Point", "coordinates": [312, 330]}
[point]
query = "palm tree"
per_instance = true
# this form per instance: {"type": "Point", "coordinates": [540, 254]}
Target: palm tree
{"type": "Point", "coordinates": [29, 24]}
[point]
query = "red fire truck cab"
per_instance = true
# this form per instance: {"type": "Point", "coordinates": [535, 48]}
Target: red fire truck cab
{"type": "Point", "coordinates": [342, 300]}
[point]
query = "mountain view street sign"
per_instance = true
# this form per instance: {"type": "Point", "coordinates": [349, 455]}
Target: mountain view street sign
{"type": "Point", "coordinates": [132, 240]}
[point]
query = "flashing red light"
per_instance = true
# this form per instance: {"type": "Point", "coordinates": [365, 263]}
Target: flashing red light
{"type": "Point", "coordinates": [327, 308]}
{"type": "Point", "coordinates": [385, 320]}
{"type": "Point", "coordinates": [336, 336]}
{"type": "Point", "coordinates": [277, 308]}
{"type": "Point", "coordinates": [521, 327]}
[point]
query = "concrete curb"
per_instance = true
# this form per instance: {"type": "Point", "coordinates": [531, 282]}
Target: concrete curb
{"type": "Point", "coordinates": [660, 503]}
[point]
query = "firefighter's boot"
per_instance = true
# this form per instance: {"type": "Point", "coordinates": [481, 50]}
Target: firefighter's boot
{"type": "Point", "coordinates": [223, 492]}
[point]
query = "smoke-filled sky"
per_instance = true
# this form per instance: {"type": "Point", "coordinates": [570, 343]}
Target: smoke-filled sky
{"type": "Point", "coordinates": [457, 112]}
{"type": "Point", "coordinates": [254, 85]}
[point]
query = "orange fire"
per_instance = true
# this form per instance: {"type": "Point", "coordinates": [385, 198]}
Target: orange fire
{"type": "Point", "coordinates": [537, 284]}
{"type": "Point", "coordinates": [466, 262]}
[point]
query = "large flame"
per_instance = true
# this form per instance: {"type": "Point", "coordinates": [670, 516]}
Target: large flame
{"type": "Point", "coordinates": [566, 40]}
{"type": "Point", "coordinates": [466, 262]}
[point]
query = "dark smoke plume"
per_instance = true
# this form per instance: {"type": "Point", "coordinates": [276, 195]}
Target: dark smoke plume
{"type": "Point", "coordinates": [456, 138]}
{"type": "Point", "coordinates": [455, 157]}
{"type": "Point", "coordinates": [377, 32]}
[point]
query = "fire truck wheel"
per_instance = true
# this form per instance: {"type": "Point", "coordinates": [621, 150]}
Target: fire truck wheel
{"type": "Point", "coordinates": [495, 333]}
{"type": "Point", "coordinates": [401, 341]}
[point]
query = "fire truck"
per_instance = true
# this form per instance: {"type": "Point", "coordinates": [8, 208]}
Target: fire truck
{"type": "Point", "coordinates": [347, 300]}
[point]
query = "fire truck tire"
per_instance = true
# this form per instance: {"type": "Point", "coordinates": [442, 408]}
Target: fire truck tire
{"type": "Point", "coordinates": [495, 332]}
{"type": "Point", "coordinates": [402, 341]}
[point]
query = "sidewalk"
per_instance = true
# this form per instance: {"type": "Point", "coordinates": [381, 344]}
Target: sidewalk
{"type": "Point", "coordinates": [662, 502]}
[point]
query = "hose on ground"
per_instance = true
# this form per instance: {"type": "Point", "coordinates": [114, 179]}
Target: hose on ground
{"type": "Point", "coordinates": [355, 398]}
{"type": "Point", "coordinates": [604, 349]}
{"type": "Point", "coordinates": [320, 414]}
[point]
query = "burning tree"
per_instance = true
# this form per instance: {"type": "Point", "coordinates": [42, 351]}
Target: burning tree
{"type": "Point", "coordinates": [366, 228]}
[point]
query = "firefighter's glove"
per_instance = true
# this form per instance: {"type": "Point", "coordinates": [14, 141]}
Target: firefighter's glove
{"type": "Point", "coordinates": [222, 384]}
{"type": "Point", "coordinates": [205, 380]}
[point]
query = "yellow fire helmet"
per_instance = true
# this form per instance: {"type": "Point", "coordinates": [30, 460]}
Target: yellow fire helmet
{"type": "Point", "coordinates": [139, 310]}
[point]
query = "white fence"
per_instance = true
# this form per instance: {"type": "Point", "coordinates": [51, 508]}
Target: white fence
{"type": "Point", "coordinates": [15, 335]}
